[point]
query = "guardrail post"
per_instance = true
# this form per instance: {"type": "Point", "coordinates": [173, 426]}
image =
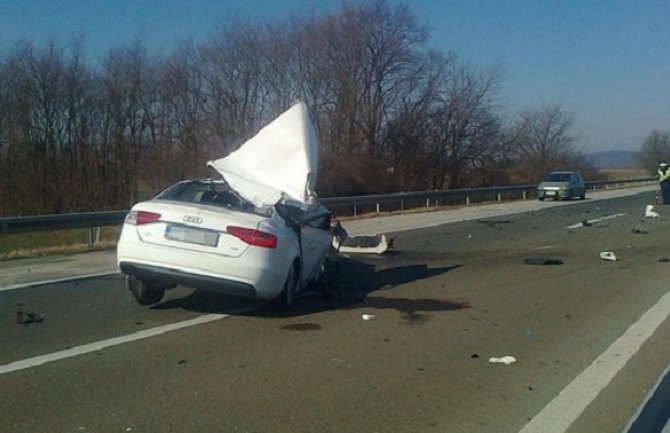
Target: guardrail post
{"type": "Point", "coordinates": [402, 205]}
{"type": "Point", "coordinates": [427, 203]}
{"type": "Point", "coordinates": [355, 210]}
{"type": "Point", "coordinates": [498, 197]}
{"type": "Point", "coordinates": [467, 200]}
{"type": "Point", "coordinates": [93, 236]}
{"type": "Point", "coordinates": [525, 195]}
{"type": "Point", "coordinates": [377, 208]}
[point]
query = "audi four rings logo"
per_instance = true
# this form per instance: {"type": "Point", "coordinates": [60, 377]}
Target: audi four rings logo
{"type": "Point", "coordinates": [193, 219]}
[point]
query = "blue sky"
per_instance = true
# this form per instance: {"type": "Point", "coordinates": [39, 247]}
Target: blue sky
{"type": "Point", "coordinates": [605, 61]}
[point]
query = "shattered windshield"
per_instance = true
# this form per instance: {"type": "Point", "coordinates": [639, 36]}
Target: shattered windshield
{"type": "Point", "coordinates": [209, 192]}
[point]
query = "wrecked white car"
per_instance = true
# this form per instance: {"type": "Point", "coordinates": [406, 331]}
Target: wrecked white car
{"type": "Point", "coordinates": [257, 232]}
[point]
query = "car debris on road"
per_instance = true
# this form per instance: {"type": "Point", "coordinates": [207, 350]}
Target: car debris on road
{"type": "Point", "coordinates": [650, 213]}
{"type": "Point", "coordinates": [25, 318]}
{"type": "Point", "coordinates": [377, 244]}
{"type": "Point", "coordinates": [608, 255]}
{"type": "Point", "coordinates": [542, 261]}
{"type": "Point", "coordinates": [507, 360]}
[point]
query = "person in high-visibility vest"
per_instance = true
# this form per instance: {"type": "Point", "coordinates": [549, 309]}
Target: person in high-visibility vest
{"type": "Point", "coordinates": [663, 177]}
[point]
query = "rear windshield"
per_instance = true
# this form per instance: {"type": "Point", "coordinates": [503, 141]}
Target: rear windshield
{"type": "Point", "coordinates": [210, 192]}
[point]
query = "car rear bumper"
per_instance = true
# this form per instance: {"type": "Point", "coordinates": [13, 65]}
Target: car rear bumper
{"type": "Point", "coordinates": [174, 276]}
{"type": "Point", "coordinates": [259, 273]}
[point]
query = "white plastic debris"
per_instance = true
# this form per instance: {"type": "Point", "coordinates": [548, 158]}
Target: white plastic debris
{"type": "Point", "coordinates": [377, 244]}
{"type": "Point", "coordinates": [608, 255]}
{"type": "Point", "coordinates": [368, 316]}
{"type": "Point", "coordinates": [507, 360]}
{"type": "Point", "coordinates": [650, 213]}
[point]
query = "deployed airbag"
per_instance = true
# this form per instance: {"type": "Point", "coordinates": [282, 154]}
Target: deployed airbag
{"type": "Point", "coordinates": [279, 162]}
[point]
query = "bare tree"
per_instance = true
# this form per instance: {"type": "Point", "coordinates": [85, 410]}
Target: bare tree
{"type": "Point", "coordinates": [233, 88]}
{"type": "Point", "coordinates": [465, 128]}
{"type": "Point", "coordinates": [408, 133]}
{"type": "Point", "coordinates": [654, 149]}
{"type": "Point", "coordinates": [129, 93]}
{"type": "Point", "coordinates": [17, 127]}
{"type": "Point", "coordinates": [374, 50]}
{"type": "Point", "coordinates": [541, 140]}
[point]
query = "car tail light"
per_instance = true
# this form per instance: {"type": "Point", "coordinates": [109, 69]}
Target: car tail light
{"type": "Point", "coordinates": [253, 236]}
{"type": "Point", "coordinates": [139, 217]}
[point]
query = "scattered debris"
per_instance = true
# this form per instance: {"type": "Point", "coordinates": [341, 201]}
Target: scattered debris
{"type": "Point", "coordinates": [608, 255]}
{"type": "Point", "coordinates": [493, 223]}
{"type": "Point", "coordinates": [301, 327]}
{"type": "Point", "coordinates": [507, 360]}
{"type": "Point", "coordinates": [474, 356]}
{"type": "Point", "coordinates": [342, 242]}
{"type": "Point", "coordinates": [650, 213]}
{"type": "Point", "coordinates": [377, 244]}
{"type": "Point", "coordinates": [664, 260]}
{"type": "Point", "coordinates": [639, 230]}
{"type": "Point", "coordinates": [25, 318]}
{"type": "Point", "coordinates": [368, 316]}
{"type": "Point", "coordinates": [589, 223]}
{"type": "Point", "coordinates": [542, 261]}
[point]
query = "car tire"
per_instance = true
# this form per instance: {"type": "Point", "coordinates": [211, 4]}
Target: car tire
{"type": "Point", "coordinates": [285, 299]}
{"type": "Point", "coordinates": [144, 292]}
{"type": "Point", "coordinates": [541, 198]}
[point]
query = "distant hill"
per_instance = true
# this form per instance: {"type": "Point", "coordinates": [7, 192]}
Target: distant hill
{"type": "Point", "coordinates": [614, 159]}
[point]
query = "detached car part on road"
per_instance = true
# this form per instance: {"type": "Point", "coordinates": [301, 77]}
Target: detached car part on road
{"type": "Point", "coordinates": [258, 232]}
{"type": "Point", "coordinates": [562, 185]}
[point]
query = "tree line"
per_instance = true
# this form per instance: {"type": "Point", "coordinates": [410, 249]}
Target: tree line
{"type": "Point", "coordinates": [390, 113]}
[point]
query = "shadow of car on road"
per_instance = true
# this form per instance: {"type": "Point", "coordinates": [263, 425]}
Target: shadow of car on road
{"type": "Point", "coordinates": [347, 284]}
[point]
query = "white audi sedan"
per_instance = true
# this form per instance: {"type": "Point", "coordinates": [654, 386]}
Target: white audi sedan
{"type": "Point", "coordinates": [256, 232]}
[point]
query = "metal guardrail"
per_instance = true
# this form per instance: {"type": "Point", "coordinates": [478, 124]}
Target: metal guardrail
{"type": "Point", "coordinates": [461, 196]}
{"type": "Point", "coordinates": [94, 220]}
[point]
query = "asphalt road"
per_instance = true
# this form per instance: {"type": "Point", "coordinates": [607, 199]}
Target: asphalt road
{"type": "Point", "coordinates": [447, 299]}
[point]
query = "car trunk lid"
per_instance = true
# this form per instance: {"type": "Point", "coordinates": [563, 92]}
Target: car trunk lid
{"type": "Point", "coordinates": [195, 227]}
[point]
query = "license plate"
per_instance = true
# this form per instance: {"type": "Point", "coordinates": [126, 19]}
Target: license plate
{"type": "Point", "coordinates": [550, 193]}
{"type": "Point", "coordinates": [192, 236]}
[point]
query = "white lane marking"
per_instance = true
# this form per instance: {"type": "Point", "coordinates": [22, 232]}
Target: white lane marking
{"type": "Point", "coordinates": [57, 280]}
{"type": "Point", "coordinates": [99, 345]}
{"type": "Point", "coordinates": [581, 224]}
{"type": "Point", "coordinates": [650, 395]}
{"type": "Point", "coordinates": [567, 406]}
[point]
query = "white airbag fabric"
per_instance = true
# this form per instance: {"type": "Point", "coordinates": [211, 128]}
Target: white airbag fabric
{"type": "Point", "coordinates": [279, 162]}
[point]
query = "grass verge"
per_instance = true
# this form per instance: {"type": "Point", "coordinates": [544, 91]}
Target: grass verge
{"type": "Point", "coordinates": [46, 243]}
